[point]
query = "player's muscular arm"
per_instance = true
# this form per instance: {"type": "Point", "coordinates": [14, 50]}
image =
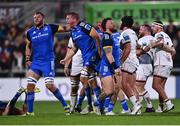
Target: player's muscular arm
{"type": "Point", "coordinates": [126, 51]}
{"type": "Point", "coordinates": [108, 52]}
{"type": "Point", "coordinates": [28, 52]}
{"type": "Point", "coordinates": [97, 37]}
{"type": "Point", "coordinates": [66, 65]}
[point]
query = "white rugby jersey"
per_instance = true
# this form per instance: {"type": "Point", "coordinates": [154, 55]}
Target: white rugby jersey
{"type": "Point", "coordinates": [77, 58]}
{"type": "Point", "coordinates": [129, 35]}
{"type": "Point", "coordinates": [143, 42]}
{"type": "Point", "coordinates": [162, 57]}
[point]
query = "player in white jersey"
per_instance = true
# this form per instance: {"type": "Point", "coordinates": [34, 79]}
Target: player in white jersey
{"type": "Point", "coordinates": [145, 68]}
{"type": "Point", "coordinates": [129, 62]}
{"type": "Point", "coordinates": [162, 65]}
{"type": "Point", "coordinates": [74, 73]}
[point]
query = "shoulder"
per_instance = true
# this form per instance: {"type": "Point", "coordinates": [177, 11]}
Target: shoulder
{"type": "Point", "coordinates": [107, 36]}
{"type": "Point", "coordinates": [85, 25]}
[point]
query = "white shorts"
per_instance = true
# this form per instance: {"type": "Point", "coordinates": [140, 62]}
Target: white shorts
{"type": "Point", "coordinates": [143, 72]}
{"type": "Point", "coordinates": [162, 71]}
{"type": "Point", "coordinates": [76, 70]}
{"type": "Point", "coordinates": [130, 65]}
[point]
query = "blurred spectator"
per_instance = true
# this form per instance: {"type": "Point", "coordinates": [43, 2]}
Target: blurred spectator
{"type": "Point", "coordinates": [3, 31]}
{"type": "Point", "coordinates": [171, 29]}
{"type": "Point", "coordinates": [6, 56]}
{"type": "Point", "coordinates": [60, 49]}
{"type": "Point", "coordinates": [177, 47]}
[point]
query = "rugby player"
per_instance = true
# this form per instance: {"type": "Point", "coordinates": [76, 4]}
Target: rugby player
{"type": "Point", "coordinates": [74, 73]}
{"type": "Point", "coordinates": [86, 38]}
{"type": "Point", "coordinates": [145, 68]}
{"type": "Point", "coordinates": [163, 64]}
{"type": "Point", "coordinates": [114, 47]}
{"type": "Point", "coordinates": [129, 62]}
{"type": "Point", "coordinates": [40, 59]}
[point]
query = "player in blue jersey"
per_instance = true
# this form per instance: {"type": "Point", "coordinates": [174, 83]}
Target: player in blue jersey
{"type": "Point", "coordinates": [110, 65]}
{"type": "Point", "coordinates": [40, 59]}
{"type": "Point", "coordinates": [9, 108]}
{"type": "Point", "coordinates": [109, 26]}
{"type": "Point", "coordinates": [86, 38]}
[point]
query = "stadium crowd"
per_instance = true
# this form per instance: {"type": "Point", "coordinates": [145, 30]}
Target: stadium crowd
{"type": "Point", "coordinates": [12, 45]}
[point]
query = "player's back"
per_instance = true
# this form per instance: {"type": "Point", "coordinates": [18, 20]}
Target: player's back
{"type": "Point", "coordinates": [131, 35]}
{"type": "Point", "coordinates": [116, 47]}
{"type": "Point", "coordinates": [42, 43]}
{"type": "Point", "coordinates": [162, 57]}
{"type": "Point", "coordinates": [82, 39]}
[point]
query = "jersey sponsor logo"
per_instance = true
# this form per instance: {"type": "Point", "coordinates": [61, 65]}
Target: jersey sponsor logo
{"type": "Point", "coordinates": [87, 26]}
{"type": "Point", "coordinates": [40, 35]}
{"type": "Point", "coordinates": [126, 38]}
{"type": "Point", "coordinates": [76, 37]}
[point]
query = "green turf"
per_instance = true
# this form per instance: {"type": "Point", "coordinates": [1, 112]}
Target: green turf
{"type": "Point", "coordinates": [51, 113]}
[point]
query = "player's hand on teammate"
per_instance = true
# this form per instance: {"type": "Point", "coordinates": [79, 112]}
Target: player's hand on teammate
{"type": "Point", "coordinates": [63, 61]}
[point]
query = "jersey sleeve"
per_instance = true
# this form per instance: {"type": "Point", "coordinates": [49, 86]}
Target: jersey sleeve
{"type": "Point", "coordinates": [107, 41]}
{"type": "Point", "coordinates": [54, 27]}
{"type": "Point", "coordinates": [159, 36]}
{"type": "Point", "coordinates": [125, 38]}
{"type": "Point", "coordinates": [86, 27]}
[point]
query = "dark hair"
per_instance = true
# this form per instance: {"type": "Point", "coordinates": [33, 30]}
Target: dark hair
{"type": "Point", "coordinates": [148, 27]}
{"type": "Point", "coordinates": [104, 21]}
{"type": "Point", "coordinates": [38, 12]}
{"type": "Point", "coordinates": [74, 15]}
{"type": "Point", "coordinates": [127, 21]}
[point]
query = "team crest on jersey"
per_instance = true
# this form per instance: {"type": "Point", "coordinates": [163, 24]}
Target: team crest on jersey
{"type": "Point", "coordinates": [45, 29]}
{"type": "Point", "coordinates": [106, 36]}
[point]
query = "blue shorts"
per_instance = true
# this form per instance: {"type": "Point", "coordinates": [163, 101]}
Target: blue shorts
{"type": "Point", "coordinates": [45, 68]}
{"type": "Point", "coordinates": [93, 62]}
{"type": "Point", "coordinates": [105, 70]}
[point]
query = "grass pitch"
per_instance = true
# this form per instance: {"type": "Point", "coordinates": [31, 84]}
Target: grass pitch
{"type": "Point", "coordinates": [51, 113]}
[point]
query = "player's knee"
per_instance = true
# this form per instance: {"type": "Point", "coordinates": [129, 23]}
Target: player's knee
{"type": "Point", "coordinates": [155, 86]}
{"type": "Point", "coordinates": [31, 84]}
{"type": "Point", "coordinates": [108, 91]}
{"type": "Point", "coordinates": [84, 81]}
{"type": "Point", "coordinates": [93, 82]}
{"type": "Point", "coordinates": [51, 87]}
{"type": "Point", "coordinates": [113, 97]}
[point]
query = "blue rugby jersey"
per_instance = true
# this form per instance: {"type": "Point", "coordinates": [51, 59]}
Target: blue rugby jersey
{"type": "Point", "coordinates": [82, 39]}
{"type": "Point", "coordinates": [111, 40]}
{"type": "Point", "coordinates": [42, 41]}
